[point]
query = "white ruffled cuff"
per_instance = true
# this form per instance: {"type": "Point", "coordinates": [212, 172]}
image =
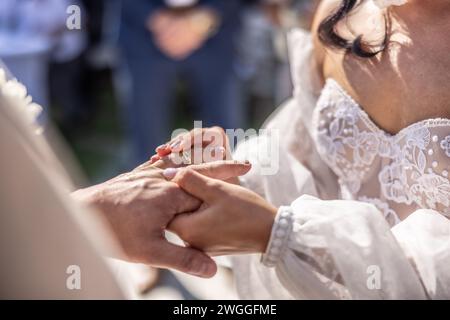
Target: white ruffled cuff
{"type": "Point", "coordinates": [279, 237]}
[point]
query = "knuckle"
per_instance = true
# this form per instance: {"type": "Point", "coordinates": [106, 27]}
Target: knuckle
{"type": "Point", "coordinates": [184, 175]}
{"type": "Point", "coordinates": [184, 202]}
{"type": "Point", "coordinates": [187, 137]}
{"type": "Point", "coordinates": [218, 129]}
{"type": "Point", "coordinates": [141, 184]}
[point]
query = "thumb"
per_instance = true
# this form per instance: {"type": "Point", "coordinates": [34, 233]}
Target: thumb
{"type": "Point", "coordinates": [223, 170]}
{"type": "Point", "coordinates": [199, 186]}
{"type": "Point", "coordinates": [187, 260]}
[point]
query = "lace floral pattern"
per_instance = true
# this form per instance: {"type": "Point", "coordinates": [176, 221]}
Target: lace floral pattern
{"type": "Point", "coordinates": [410, 168]}
{"type": "Point", "coordinates": [445, 145]}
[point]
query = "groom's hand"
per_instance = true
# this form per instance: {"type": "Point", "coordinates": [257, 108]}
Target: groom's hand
{"type": "Point", "coordinates": [140, 204]}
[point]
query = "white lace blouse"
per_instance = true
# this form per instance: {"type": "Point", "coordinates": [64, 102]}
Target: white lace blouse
{"type": "Point", "coordinates": [346, 181]}
{"type": "Point", "coordinates": [397, 173]}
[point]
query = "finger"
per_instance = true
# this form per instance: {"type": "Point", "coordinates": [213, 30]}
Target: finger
{"type": "Point", "coordinates": [215, 137]}
{"type": "Point", "coordinates": [183, 222]}
{"type": "Point", "coordinates": [200, 137]}
{"type": "Point", "coordinates": [187, 260]}
{"type": "Point", "coordinates": [223, 170]}
{"type": "Point", "coordinates": [165, 163]}
{"type": "Point", "coordinates": [181, 201]}
{"type": "Point", "coordinates": [197, 155]}
{"type": "Point", "coordinates": [145, 166]}
{"type": "Point", "coordinates": [154, 159]}
{"type": "Point", "coordinates": [186, 141]}
{"type": "Point", "coordinates": [212, 154]}
{"type": "Point", "coordinates": [163, 150]}
{"type": "Point", "coordinates": [200, 186]}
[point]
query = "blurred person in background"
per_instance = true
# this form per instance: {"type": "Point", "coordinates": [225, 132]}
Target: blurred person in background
{"type": "Point", "coordinates": [257, 64]}
{"type": "Point", "coordinates": [36, 35]}
{"type": "Point", "coordinates": [163, 41]}
{"type": "Point", "coordinates": [263, 53]}
{"type": "Point", "coordinates": [286, 15]}
{"type": "Point", "coordinates": [66, 71]}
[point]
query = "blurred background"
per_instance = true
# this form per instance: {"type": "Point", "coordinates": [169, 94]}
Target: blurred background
{"type": "Point", "coordinates": [136, 70]}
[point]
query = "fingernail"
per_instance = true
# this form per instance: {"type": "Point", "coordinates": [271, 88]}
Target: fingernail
{"type": "Point", "coordinates": [163, 146]}
{"type": "Point", "coordinates": [174, 145]}
{"type": "Point", "coordinates": [209, 269]}
{"type": "Point", "coordinates": [242, 162]}
{"type": "Point", "coordinates": [204, 270]}
{"type": "Point", "coordinates": [170, 173]}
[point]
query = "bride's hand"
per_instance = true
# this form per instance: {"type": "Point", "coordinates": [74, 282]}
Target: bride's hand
{"type": "Point", "coordinates": [200, 145]}
{"type": "Point", "coordinates": [231, 220]}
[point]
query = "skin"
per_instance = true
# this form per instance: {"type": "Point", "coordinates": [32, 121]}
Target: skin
{"type": "Point", "coordinates": [231, 220]}
{"type": "Point", "coordinates": [417, 64]}
{"type": "Point", "coordinates": [174, 33]}
{"type": "Point", "coordinates": [139, 206]}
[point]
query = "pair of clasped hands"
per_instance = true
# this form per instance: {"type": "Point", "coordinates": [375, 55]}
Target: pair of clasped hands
{"type": "Point", "coordinates": [202, 203]}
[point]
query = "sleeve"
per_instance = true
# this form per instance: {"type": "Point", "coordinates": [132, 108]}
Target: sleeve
{"type": "Point", "coordinates": [346, 249]}
{"type": "Point", "coordinates": [44, 235]}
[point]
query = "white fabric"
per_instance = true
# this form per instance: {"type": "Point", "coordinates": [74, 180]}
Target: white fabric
{"type": "Point", "coordinates": [42, 230]}
{"type": "Point", "coordinates": [334, 248]}
{"type": "Point", "coordinates": [397, 173]}
{"type": "Point", "coordinates": [387, 3]}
